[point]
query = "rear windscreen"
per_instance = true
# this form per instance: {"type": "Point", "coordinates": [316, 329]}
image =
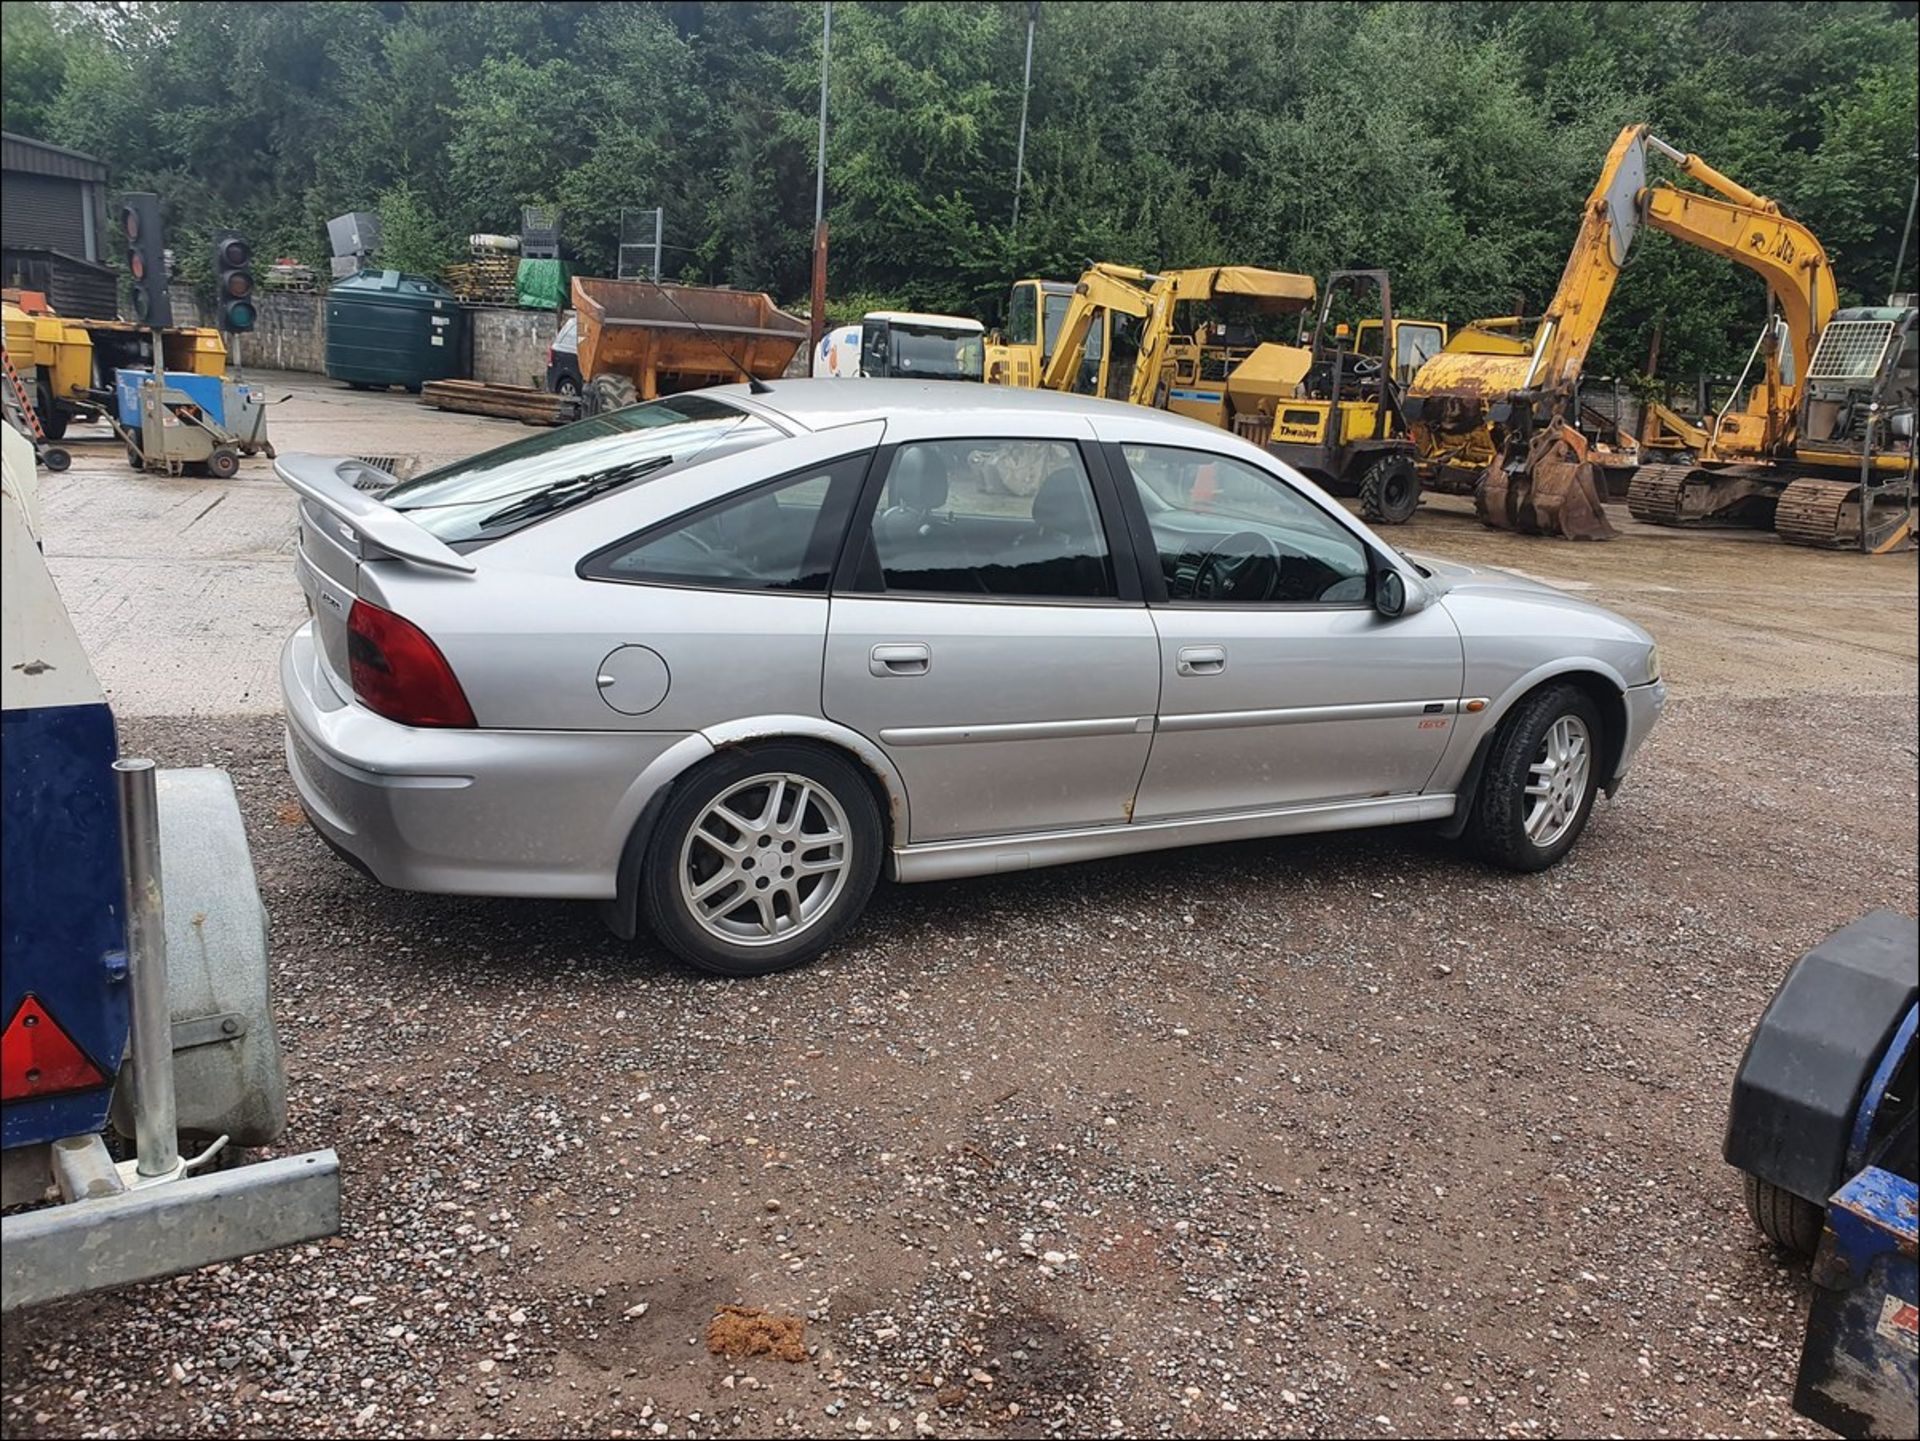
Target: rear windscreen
{"type": "Point", "coordinates": [497, 493]}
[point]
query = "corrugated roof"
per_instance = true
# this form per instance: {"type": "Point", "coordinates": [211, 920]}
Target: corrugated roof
{"type": "Point", "coordinates": [38, 157]}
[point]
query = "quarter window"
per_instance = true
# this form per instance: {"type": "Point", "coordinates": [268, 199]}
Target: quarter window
{"type": "Point", "coordinates": [1008, 518]}
{"type": "Point", "coordinates": [780, 536]}
{"type": "Point", "coordinates": [1229, 533]}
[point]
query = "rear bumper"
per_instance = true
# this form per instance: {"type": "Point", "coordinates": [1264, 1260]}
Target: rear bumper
{"type": "Point", "coordinates": [1643, 705]}
{"type": "Point", "coordinates": [465, 812]}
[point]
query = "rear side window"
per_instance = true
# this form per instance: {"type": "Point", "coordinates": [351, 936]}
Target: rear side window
{"type": "Point", "coordinates": [1008, 518]}
{"type": "Point", "coordinates": [497, 493]}
{"type": "Point", "coordinates": [779, 536]}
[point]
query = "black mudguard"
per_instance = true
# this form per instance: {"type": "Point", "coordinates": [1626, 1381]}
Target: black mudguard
{"type": "Point", "coordinates": [1799, 1086]}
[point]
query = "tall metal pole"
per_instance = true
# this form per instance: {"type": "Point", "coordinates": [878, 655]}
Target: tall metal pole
{"type": "Point", "coordinates": [659, 224]}
{"type": "Point", "coordinates": [1026, 89]}
{"type": "Point", "coordinates": [152, 1061]}
{"type": "Point", "coordinates": [817, 306]}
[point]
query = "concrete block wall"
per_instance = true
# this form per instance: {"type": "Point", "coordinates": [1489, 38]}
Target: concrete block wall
{"type": "Point", "coordinates": [510, 346]}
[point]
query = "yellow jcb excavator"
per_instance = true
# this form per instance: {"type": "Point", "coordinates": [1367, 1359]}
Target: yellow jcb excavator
{"type": "Point", "coordinates": [1511, 413]}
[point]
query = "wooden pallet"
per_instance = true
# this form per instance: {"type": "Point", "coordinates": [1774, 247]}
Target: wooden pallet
{"type": "Point", "coordinates": [509, 402]}
{"type": "Point", "coordinates": [484, 279]}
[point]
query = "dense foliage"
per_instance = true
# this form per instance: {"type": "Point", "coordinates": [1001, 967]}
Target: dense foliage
{"type": "Point", "coordinates": [1452, 144]}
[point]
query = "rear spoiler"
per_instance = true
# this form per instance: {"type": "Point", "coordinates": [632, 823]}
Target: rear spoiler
{"type": "Point", "coordinates": [328, 481]}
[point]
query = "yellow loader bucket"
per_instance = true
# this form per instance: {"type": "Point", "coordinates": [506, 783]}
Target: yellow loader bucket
{"type": "Point", "coordinates": [1555, 490]}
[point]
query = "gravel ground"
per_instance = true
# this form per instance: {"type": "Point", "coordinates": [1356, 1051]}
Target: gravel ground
{"type": "Point", "coordinates": [1327, 1136]}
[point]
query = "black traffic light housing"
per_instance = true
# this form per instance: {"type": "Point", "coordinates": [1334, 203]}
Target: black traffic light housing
{"type": "Point", "coordinates": [233, 281]}
{"type": "Point", "coordinates": [146, 259]}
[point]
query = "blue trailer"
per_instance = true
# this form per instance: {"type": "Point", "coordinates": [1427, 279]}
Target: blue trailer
{"type": "Point", "coordinates": [1822, 1126]}
{"type": "Point", "coordinates": [134, 995]}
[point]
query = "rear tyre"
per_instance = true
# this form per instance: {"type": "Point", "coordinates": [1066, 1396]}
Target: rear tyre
{"type": "Point", "coordinates": [1540, 781]}
{"type": "Point", "coordinates": [1789, 1221]}
{"type": "Point", "coordinates": [762, 859]}
{"type": "Point", "coordinates": [610, 392]}
{"type": "Point", "coordinates": [1390, 491]}
{"type": "Point", "coordinates": [224, 463]}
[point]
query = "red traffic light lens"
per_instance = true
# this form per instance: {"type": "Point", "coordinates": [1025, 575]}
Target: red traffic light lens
{"type": "Point", "coordinates": [130, 220]}
{"type": "Point", "coordinates": [138, 264]}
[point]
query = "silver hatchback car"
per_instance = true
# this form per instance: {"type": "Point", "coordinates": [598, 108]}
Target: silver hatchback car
{"type": "Point", "coordinates": [716, 660]}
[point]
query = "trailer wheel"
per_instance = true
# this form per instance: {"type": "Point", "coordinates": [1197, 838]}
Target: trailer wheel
{"type": "Point", "coordinates": [611, 392]}
{"type": "Point", "coordinates": [1390, 491]}
{"type": "Point", "coordinates": [55, 459]}
{"type": "Point", "coordinates": [53, 419]}
{"type": "Point", "coordinates": [1791, 1222]}
{"type": "Point", "coordinates": [224, 463]}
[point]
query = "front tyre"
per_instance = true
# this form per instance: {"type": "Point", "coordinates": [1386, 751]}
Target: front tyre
{"type": "Point", "coordinates": [1390, 491]}
{"type": "Point", "coordinates": [1540, 781]}
{"type": "Point", "coordinates": [762, 860]}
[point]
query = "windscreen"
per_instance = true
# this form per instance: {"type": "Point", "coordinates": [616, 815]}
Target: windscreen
{"type": "Point", "coordinates": [499, 492]}
{"type": "Point", "coordinates": [925, 353]}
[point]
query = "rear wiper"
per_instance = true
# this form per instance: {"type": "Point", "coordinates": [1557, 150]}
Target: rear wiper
{"type": "Point", "coordinates": [570, 492]}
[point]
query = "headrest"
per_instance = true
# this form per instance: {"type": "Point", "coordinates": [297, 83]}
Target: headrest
{"type": "Point", "coordinates": [919, 480]}
{"type": "Point", "coordinates": [1060, 505]}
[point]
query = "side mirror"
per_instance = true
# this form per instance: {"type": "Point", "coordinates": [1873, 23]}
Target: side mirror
{"type": "Point", "coordinates": [1389, 592]}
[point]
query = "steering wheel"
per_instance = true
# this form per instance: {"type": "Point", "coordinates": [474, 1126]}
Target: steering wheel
{"type": "Point", "coordinates": [1243, 566]}
{"type": "Point", "coordinates": [1363, 367]}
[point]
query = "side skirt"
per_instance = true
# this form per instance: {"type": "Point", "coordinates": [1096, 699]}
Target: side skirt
{"type": "Point", "coordinates": [950, 860]}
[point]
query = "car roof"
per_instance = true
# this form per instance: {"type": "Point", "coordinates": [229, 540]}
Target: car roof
{"type": "Point", "coordinates": [822, 404]}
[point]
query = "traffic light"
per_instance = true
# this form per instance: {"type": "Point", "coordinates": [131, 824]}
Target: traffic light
{"type": "Point", "coordinates": [233, 280]}
{"type": "Point", "coordinates": [146, 259]}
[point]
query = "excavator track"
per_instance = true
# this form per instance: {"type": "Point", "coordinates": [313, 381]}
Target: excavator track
{"type": "Point", "coordinates": [1657, 494]}
{"type": "Point", "coordinates": [1819, 512]}
{"type": "Point", "coordinates": [1826, 513]}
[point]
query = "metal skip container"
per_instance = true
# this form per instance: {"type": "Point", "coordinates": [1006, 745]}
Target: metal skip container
{"type": "Point", "coordinates": [669, 338]}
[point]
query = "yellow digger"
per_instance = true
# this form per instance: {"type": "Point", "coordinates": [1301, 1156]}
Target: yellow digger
{"type": "Point", "coordinates": [1844, 478]}
{"type": "Point", "coordinates": [1018, 354]}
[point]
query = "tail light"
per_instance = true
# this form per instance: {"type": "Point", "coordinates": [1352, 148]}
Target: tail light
{"type": "Point", "coordinates": [549, 357]}
{"type": "Point", "coordinates": [398, 672]}
{"type": "Point", "coordinates": [38, 1058]}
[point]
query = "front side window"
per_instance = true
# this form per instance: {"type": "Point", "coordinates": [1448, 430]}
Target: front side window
{"type": "Point", "coordinates": [780, 536]}
{"type": "Point", "coordinates": [499, 492]}
{"type": "Point", "coordinates": [1229, 533]}
{"type": "Point", "coordinates": [990, 518]}
{"type": "Point", "coordinates": [1056, 313]}
{"type": "Point", "coordinates": [1023, 316]}
{"type": "Point", "coordinates": [1414, 346]}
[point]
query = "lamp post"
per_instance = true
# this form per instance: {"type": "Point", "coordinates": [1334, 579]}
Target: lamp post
{"type": "Point", "coordinates": [1026, 89]}
{"type": "Point", "coordinates": [817, 308]}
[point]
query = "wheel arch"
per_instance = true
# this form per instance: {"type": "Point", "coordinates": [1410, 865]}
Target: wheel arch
{"type": "Point", "coordinates": [658, 781]}
{"type": "Point", "coordinates": [1599, 682]}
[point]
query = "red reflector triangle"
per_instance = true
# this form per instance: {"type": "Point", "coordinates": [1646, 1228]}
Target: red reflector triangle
{"type": "Point", "coordinates": [38, 1058]}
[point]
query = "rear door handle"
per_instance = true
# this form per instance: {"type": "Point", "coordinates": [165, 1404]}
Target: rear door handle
{"type": "Point", "coordinates": [1200, 660]}
{"type": "Point", "coordinates": [909, 658]}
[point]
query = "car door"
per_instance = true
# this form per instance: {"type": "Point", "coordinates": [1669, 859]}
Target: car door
{"type": "Point", "coordinates": [1281, 685]}
{"type": "Point", "coordinates": [984, 634]}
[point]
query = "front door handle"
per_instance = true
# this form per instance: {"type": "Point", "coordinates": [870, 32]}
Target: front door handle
{"type": "Point", "coordinates": [909, 658]}
{"type": "Point", "coordinates": [1201, 660]}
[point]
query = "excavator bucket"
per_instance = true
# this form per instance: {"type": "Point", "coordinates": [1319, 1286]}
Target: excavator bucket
{"type": "Point", "coordinates": [1554, 490]}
